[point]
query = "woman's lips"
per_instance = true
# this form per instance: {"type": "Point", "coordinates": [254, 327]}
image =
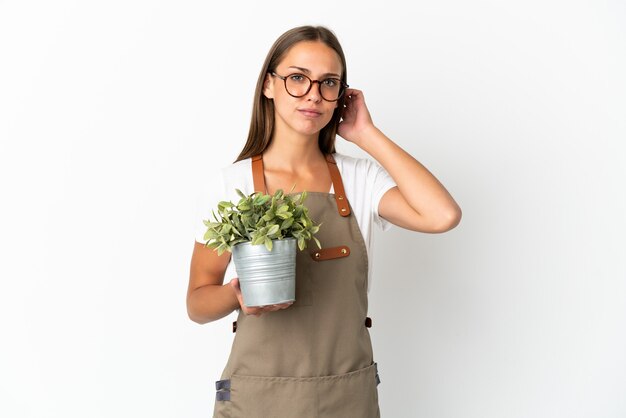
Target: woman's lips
{"type": "Point", "coordinates": [309, 113]}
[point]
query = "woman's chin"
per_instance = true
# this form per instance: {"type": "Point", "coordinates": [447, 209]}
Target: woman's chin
{"type": "Point", "coordinates": [310, 128]}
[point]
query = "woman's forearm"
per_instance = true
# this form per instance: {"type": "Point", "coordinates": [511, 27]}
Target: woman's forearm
{"type": "Point", "coordinates": [211, 302]}
{"type": "Point", "coordinates": [420, 188]}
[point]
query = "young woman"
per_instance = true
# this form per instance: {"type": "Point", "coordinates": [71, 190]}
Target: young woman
{"type": "Point", "coordinates": [314, 358]}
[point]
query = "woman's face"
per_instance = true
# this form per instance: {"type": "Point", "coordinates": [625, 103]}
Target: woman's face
{"type": "Point", "coordinates": [308, 114]}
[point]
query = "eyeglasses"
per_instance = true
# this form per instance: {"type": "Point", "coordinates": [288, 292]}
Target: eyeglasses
{"type": "Point", "coordinates": [298, 85]}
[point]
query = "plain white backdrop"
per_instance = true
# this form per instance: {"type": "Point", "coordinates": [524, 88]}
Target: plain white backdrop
{"type": "Point", "coordinates": [112, 112]}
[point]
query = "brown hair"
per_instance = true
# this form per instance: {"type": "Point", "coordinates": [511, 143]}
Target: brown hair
{"type": "Point", "coordinates": [262, 123]}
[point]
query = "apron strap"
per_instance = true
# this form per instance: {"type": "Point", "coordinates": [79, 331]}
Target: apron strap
{"type": "Point", "coordinates": [340, 193]}
{"type": "Point", "coordinates": [257, 174]}
{"type": "Point", "coordinates": [343, 206]}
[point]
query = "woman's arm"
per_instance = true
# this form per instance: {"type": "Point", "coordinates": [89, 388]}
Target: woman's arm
{"type": "Point", "coordinates": [207, 298]}
{"type": "Point", "coordinates": [419, 202]}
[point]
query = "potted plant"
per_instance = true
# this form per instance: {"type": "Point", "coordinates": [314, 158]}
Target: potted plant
{"type": "Point", "coordinates": [262, 231]}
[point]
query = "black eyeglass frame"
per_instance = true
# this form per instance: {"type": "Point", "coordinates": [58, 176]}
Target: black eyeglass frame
{"type": "Point", "coordinates": [343, 85]}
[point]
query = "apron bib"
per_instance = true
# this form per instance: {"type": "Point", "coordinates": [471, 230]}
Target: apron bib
{"type": "Point", "coordinates": [313, 359]}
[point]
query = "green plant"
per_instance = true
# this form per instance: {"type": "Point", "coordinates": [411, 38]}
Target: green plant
{"type": "Point", "coordinates": [260, 218]}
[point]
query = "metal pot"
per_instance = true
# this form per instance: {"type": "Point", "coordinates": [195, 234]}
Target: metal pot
{"type": "Point", "coordinates": [266, 277]}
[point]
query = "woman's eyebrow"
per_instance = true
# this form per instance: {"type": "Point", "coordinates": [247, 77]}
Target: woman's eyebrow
{"type": "Point", "coordinates": [305, 70]}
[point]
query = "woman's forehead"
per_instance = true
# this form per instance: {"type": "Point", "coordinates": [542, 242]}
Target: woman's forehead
{"type": "Point", "coordinates": [317, 57]}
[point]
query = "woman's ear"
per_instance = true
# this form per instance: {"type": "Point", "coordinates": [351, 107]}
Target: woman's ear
{"type": "Point", "coordinates": [268, 87]}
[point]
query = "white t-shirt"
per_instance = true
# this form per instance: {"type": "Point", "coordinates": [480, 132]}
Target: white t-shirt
{"type": "Point", "coordinates": [364, 180]}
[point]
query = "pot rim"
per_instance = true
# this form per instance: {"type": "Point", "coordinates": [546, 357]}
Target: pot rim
{"type": "Point", "coordinates": [274, 239]}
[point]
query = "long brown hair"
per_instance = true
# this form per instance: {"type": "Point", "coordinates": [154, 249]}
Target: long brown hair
{"type": "Point", "coordinates": [262, 123]}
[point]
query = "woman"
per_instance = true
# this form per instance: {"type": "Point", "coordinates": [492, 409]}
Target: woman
{"type": "Point", "coordinates": [314, 357]}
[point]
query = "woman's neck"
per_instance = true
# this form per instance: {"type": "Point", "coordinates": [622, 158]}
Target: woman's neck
{"type": "Point", "coordinates": [291, 153]}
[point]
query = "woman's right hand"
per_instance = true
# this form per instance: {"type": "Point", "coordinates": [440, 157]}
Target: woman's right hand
{"type": "Point", "coordinates": [255, 310]}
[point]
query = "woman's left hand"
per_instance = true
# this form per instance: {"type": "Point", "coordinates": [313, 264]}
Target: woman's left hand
{"type": "Point", "coordinates": [356, 117]}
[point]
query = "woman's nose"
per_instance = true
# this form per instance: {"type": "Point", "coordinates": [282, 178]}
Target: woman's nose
{"type": "Point", "coordinates": [314, 93]}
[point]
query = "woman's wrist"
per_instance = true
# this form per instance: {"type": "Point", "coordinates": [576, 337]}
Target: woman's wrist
{"type": "Point", "coordinates": [366, 136]}
{"type": "Point", "coordinates": [233, 301]}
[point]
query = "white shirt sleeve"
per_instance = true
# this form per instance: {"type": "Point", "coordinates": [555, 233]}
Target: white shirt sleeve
{"type": "Point", "coordinates": [380, 182]}
{"type": "Point", "coordinates": [207, 201]}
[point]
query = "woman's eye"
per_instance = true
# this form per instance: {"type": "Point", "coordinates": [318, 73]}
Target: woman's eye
{"type": "Point", "coordinates": [296, 77]}
{"type": "Point", "coordinates": [330, 82]}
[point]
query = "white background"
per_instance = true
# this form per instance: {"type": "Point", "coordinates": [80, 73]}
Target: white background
{"type": "Point", "coordinates": [112, 112]}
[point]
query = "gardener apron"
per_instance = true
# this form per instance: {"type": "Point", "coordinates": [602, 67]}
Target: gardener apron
{"type": "Point", "coordinates": [313, 359]}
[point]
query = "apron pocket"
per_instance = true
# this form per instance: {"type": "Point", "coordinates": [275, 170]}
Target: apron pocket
{"type": "Point", "coordinates": [352, 394]}
{"type": "Point", "coordinates": [275, 397]}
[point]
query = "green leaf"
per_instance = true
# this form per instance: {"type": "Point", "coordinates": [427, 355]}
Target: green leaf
{"type": "Point", "coordinates": [245, 205]}
{"type": "Point", "coordinates": [273, 230]}
{"type": "Point", "coordinates": [261, 200]}
{"type": "Point", "coordinates": [223, 205]}
{"type": "Point", "coordinates": [259, 239]}
{"type": "Point", "coordinates": [301, 244]}
{"type": "Point", "coordinates": [210, 234]}
{"type": "Point", "coordinates": [286, 223]}
{"type": "Point", "coordinates": [268, 244]}
{"type": "Point", "coordinates": [238, 240]}
{"type": "Point", "coordinates": [318, 243]}
{"type": "Point", "coordinates": [222, 248]}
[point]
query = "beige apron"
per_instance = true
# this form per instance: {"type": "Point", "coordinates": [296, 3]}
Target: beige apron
{"type": "Point", "coordinates": [313, 359]}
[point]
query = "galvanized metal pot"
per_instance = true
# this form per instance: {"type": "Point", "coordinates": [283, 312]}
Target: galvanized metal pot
{"type": "Point", "coordinates": [266, 277]}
